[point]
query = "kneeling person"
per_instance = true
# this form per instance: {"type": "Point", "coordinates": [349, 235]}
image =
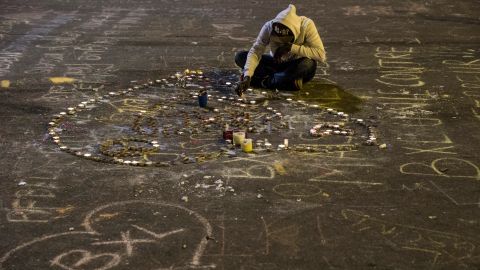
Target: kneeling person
{"type": "Point", "coordinates": [295, 46]}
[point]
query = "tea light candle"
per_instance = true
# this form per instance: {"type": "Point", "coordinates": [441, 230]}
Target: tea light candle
{"type": "Point", "coordinates": [268, 145]}
{"type": "Point", "coordinates": [238, 137]}
{"type": "Point", "coordinates": [247, 145]}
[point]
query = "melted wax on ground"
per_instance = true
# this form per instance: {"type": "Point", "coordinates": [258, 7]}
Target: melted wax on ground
{"type": "Point", "coordinates": [329, 96]}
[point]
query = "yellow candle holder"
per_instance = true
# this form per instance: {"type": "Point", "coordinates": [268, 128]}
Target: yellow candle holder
{"type": "Point", "coordinates": [247, 146]}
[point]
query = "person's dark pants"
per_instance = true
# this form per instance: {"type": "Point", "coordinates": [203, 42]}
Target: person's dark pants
{"type": "Point", "coordinates": [281, 76]}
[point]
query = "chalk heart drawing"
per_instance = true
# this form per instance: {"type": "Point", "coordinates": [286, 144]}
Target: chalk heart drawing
{"type": "Point", "coordinates": [121, 235]}
{"type": "Point", "coordinates": [443, 167]}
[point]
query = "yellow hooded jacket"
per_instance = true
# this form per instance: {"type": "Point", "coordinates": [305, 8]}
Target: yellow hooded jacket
{"type": "Point", "coordinates": [307, 42]}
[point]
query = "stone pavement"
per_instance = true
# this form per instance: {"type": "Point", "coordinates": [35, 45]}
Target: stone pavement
{"type": "Point", "coordinates": [108, 162]}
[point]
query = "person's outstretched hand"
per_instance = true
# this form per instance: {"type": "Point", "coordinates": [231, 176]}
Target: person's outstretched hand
{"type": "Point", "coordinates": [281, 52]}
{"type": "Point", "coordinates": [243, 85]}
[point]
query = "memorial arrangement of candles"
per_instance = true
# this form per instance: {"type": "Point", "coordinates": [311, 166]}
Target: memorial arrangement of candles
{"type": "Point", "coordinates": [241, 123]}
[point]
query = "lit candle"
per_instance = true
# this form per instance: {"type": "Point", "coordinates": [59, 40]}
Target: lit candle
{"type": "Point", "coordinates": [247, 145]}
{"type": "Point", "coordinates": [268, 145]}
{"type": "Point", "coordinates": [238, 137]}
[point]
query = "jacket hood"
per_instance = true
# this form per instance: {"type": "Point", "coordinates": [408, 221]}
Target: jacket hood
{"type": "Point", "coordinates": [290, 19]}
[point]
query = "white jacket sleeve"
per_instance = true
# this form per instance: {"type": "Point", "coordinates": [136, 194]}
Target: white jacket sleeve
{"type": "Point", "coordinates": [258, 48]}
{"type": "Point", "coordinates": [313, 45]}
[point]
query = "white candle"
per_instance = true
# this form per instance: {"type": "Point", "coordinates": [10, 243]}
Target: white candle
{"type": "Point", "coordinates": [238, 137]}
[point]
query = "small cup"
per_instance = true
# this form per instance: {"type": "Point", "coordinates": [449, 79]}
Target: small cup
{"type": "Point", "coordinates": [202, 100]}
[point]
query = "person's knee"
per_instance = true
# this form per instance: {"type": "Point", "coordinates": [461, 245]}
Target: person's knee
{"type": "Point", "coordinates": [309, 64]}
{"type": "Point", "coordinates": [309, 67]}
{"type": "Point", "coordinates": [241, 58]}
